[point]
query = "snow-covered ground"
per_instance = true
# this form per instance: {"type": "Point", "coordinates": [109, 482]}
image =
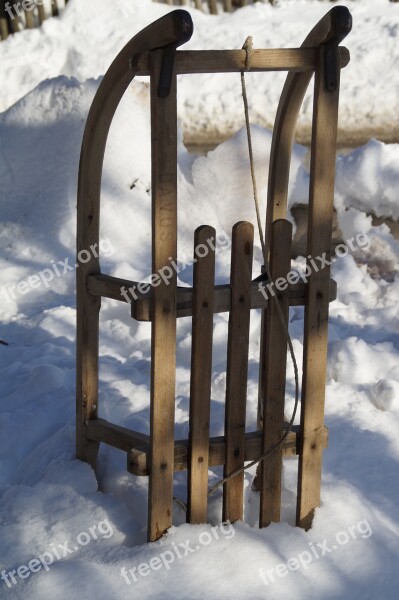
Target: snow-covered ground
{"type": "Point", "coordinates": [85, 39]}
{"type": "Point", "coordinates": [51, 510]}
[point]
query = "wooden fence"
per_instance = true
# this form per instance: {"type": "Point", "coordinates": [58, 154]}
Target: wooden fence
{"type": "Point", "coordinates": [14, 18]}
{"type": "Point", "coordinates": [214, 6]}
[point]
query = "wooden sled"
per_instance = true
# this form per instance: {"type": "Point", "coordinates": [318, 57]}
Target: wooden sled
{"type": "Point", "coordinates": [154, 52]}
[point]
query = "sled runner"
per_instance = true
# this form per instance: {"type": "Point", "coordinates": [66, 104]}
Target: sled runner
{"type": "Point", "coordinates": [154, 52]}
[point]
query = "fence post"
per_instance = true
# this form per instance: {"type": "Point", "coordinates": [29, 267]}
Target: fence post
{"type": "Point", "coordinates": [4, 21]}
{"type": "Point", "coordinates": [237, 368]}
{"type": "Point", "coordinates": [201, 374]}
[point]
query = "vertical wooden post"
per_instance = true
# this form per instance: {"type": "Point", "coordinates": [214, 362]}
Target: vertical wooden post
{"type": "Point", "coordinates": [164, 252]}
{"type": "Point", "coordinates": [4, 21]}
{"type": "Point", "coordinates": [30, 22]}
{"type": "Point", "coordinates": [42, 13]}
{"type": "Point", "coordinates": [227, 6]}
{"type": "Point", "coordinates": [275, 353]}
{"type": "Point", "coordinates": [237, 367]}
{"type": "Point", "coordinates": [201, 373]}
{"type": "Point", "coordinates": [54, 8]}
{"type": "Point", "coordinates": [322, 173]}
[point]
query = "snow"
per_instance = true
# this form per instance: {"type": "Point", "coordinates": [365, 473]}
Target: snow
{"type": "Point", "coordinates": [50, 501]}
{"type": "Point", "coordinates": [211, 104]}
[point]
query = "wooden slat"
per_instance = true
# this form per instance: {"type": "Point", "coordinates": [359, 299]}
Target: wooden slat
{"type": "Point", "coordinates": [287, 113]}
{"type": "Point", "coordinates": [42, 13]}
{"type": "Point", "coordinates": [173, 29]}
{"type": "Point", "coordinates": [100, 430]}
{"type": "Point", "coordinates": [138, 460]}
{"type": "Point", "coordinates": [213, 7]}
{"type": "Point", "coordinates": [201, 372]}
{"type": "Point", "coordinates": [275, 352]}
{"type": "Point", "coordinates": [4, 32]}
{"type": "Point", "coordinates": [110, 287]}
{"type": "Point", "coordinates": [237, 368]}
{"type": "Point", "coordinates": [227, 6]}
{"type": "Point", "coordinates": [163, 336]}
{"type": "Point", "coordinates": [30, 22]}
{"type": "Point", "coordinates": [322, 174]}
{"type": "Point", "coordinates": [233, 61]}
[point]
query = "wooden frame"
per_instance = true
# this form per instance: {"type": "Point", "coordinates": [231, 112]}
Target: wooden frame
{"type": "Point", "coordinates": [154, 52]}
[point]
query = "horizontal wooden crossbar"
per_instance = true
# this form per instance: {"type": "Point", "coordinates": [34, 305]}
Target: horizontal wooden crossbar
{"type": "Point", "coordinates": [110, 287]}
{"type": "Point", "coordinates": [137, 445]}
{"type": "Point", "coordinates": [100, 430]}
{"type": "Point", "coordinates": [234, 61]}
{"type": "Point", "coordinates": [137, 459]}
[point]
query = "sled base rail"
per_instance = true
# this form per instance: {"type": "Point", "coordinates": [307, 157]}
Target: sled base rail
{"type": "Point", "coordinates": [106, 286]}
{"type": "Point", "coordinates": [138, 447]}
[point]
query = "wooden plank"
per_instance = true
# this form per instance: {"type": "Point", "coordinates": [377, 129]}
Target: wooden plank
{"type": "Point", "coordinates": [29, 18]}
{"type": "Point", "coordinates": [213, 7]}
{"type": "Point", "coordinates": [100, 430]}
{"type": "Point", "coordinates": [233, 61]}
{"type": "Point", "coordinates": [275, 352]}
{"type": "Point", "coordinates": [42, 13]}
{"type": "Point", "coordinates": [110, 287]}
{"type": "Point", "coordinates": [237, 368]}
{"type": "Point", "coordinates": [138, 459]}
{"type": "Point", "coordinates": [332, 25]}
{"type": "Point", "coordinates": [163, 335]}
{"type": "Point", "coordinates": [201, 373]}
{"type": "Point", "coordinates": [227, 6]}
{"type": "Point", "coordinates": [4, 32]}
{"type": "Point", "coordinates": [322, 174]}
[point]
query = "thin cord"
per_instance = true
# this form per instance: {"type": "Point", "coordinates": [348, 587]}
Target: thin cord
{"type": "Point", "coordinates": [248, 48]}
